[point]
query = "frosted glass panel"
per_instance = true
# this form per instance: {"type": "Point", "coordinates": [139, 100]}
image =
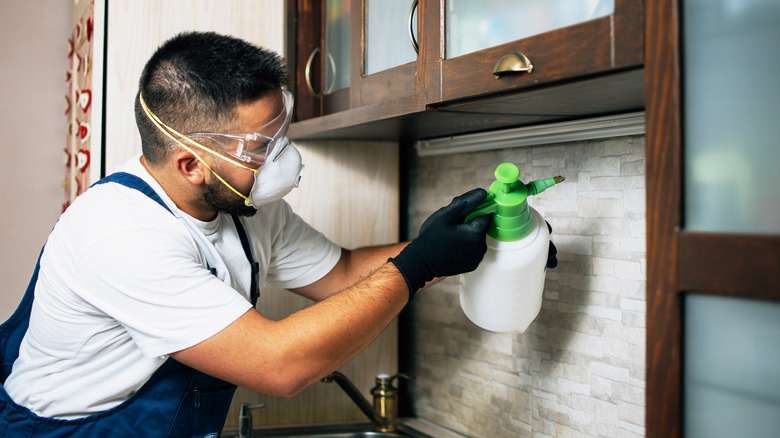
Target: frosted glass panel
{"type": "Point", "coordinates": [387, 34]}
{"type": "Point", "coordinates": [732, 115]}
{"type": "Point", "coordinates": [475, 25]}
{"type": "Point", "coordinates": [336, 45]}
{"type": "Point", "coordinates": [732, 368]}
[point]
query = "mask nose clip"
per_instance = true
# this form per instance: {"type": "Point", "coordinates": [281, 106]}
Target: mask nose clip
{"type": "Point", "coordinates": [284, 148]}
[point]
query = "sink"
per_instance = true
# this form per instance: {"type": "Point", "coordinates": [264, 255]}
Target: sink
{"type": "Point", "coordinates": [340, 430]}
{"type": "Point", "coordinates": [409, 427]}
{"type": "Point", "coordinates": [341, 435]}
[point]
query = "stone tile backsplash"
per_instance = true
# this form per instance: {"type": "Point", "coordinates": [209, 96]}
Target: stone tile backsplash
{"type": "Point", "coordinates": [578, 371]}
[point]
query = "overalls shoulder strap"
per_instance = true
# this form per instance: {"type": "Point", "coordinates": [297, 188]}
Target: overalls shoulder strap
{"type": "Point", "coordinates": [177, 401]}
{"type": "Point", "coordinates": [254, 288]}
{"type": "Point", "coordinates": [12, 331]}
{"type": "Point", "coordinates": [134, 182]}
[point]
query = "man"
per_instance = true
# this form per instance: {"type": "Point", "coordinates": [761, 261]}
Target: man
{"type": "Point", "coordinates": [143, 316]}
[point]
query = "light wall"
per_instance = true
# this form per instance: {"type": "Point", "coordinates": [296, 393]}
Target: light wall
{"type": "Point", "coordinates": [579, 370]}
{"type": "Point", "coordinates": [137, 27]}
{"type": "Point", "coordinates": [33, 44]}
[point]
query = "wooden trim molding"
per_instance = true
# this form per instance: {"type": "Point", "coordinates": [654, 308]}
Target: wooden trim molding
{"type": "Point", "coordinates": [663, 152]}
{"type": "Point", "coordinates": [730, 264]}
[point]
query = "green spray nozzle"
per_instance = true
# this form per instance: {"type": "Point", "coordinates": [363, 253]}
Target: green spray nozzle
{"type": "Point", "coordinates": [507, 199]}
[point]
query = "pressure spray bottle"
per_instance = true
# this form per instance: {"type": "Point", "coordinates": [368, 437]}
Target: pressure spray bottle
{"type": "Point", "coordinates": [505, 292]}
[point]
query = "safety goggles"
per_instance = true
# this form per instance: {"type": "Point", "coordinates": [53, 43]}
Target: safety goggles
{"type": "Point", "coordinates": [254, 149]}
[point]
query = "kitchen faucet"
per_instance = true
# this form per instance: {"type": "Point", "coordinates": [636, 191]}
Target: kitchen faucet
{"type": "Point", "coordinates": [384, 413]}
{"type": "Point", "coordinates": [245, 419]}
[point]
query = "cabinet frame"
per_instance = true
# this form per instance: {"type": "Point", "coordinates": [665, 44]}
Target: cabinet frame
{"type": "Point", "coordinates": [682, 262]}
{"type": "Point", "coordinates": [303, 28]}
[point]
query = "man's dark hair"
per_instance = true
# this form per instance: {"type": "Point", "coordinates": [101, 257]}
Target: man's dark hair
{"type": "Point", "coordinates": [195, 81]}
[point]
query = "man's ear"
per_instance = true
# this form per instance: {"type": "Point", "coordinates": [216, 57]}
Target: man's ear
{"type": "Point", "coordinates": [189, 167]}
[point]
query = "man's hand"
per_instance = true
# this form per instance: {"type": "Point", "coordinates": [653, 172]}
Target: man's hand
{"type": "Point", "coordinates": [446, 244]}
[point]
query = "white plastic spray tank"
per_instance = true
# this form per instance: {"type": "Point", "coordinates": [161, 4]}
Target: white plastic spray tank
{"type": "Point", "coordinates": [505, 292]}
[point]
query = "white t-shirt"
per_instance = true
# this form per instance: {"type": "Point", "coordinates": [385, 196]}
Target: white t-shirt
{"type": "Point", "coordinates": [124, 283]}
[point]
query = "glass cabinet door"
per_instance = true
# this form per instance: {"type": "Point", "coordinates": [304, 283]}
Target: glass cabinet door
{"type": "Point", "coordinates": [731, 372]}
{"type": "Point", "coordinates": [476, 25]}
{"type": "Point", "coordinates": [731, 345]}
{"type": "Point", "coordinates": [390, 31]}
{"type": "Point", "coordinates": [336, 60]}
{"type": "Point", "coordinates": [385, 66]}
{"type": "Point", "coordinates": [527, 43]}
{"type": "Point", "coordinates": [731, 113]}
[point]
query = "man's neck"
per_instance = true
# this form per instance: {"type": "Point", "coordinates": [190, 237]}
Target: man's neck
{"type": "Point", "coordinates": [183, 200]}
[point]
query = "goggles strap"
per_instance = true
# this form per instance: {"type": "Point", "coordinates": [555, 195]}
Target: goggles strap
{"type": "Point", "coordinates": [160, 125]}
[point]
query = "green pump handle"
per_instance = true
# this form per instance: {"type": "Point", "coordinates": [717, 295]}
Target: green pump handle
{"type": "Point", "coordinates": [485, 208]}
{"type": "Point", "coordinates": [507, 198]}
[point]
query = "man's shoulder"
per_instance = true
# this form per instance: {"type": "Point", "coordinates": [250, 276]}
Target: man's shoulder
{"type": "Point", "coordinates": [112, 207]}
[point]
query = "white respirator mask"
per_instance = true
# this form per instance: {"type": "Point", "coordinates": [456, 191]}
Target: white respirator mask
{"type": "Point", "coordinates": [278, 176]}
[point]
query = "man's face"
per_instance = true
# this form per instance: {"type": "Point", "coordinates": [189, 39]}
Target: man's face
{"type": "Point", "coordinates": [216, 195]}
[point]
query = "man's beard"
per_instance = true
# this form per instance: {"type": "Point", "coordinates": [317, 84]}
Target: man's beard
{"type": "Point", "coordinates": [221, 199]}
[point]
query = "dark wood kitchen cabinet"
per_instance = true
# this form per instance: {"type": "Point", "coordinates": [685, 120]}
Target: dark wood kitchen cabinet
{"type": "Point", "coordinates": [345, 54]}
{"type": "Point", "coordinates": [587, 68]}
{"type": "Point", "coordinates": [598, 45]}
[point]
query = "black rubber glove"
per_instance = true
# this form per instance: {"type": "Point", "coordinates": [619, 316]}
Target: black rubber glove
{"type": "Point", "coordinates": [446, 245]}
{"type": "Point", "coordinates": [552, 254]}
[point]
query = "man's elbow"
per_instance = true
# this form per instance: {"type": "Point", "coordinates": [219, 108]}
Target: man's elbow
{"type": "Point", "coordinates": [290, 389]}
{"type": "Point", "coordinates": [285, 386]}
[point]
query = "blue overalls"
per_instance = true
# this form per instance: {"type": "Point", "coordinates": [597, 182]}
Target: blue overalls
{"type": "Point", "coordinates": [177, 401]}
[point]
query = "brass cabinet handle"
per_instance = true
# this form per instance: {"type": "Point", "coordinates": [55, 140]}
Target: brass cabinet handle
{"type": "Point", "coordinates": [307, 72]}
{"type": "Point", "coordinates": [512, 63]}
{"type": "Point", "coordinates": [411, 27]}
